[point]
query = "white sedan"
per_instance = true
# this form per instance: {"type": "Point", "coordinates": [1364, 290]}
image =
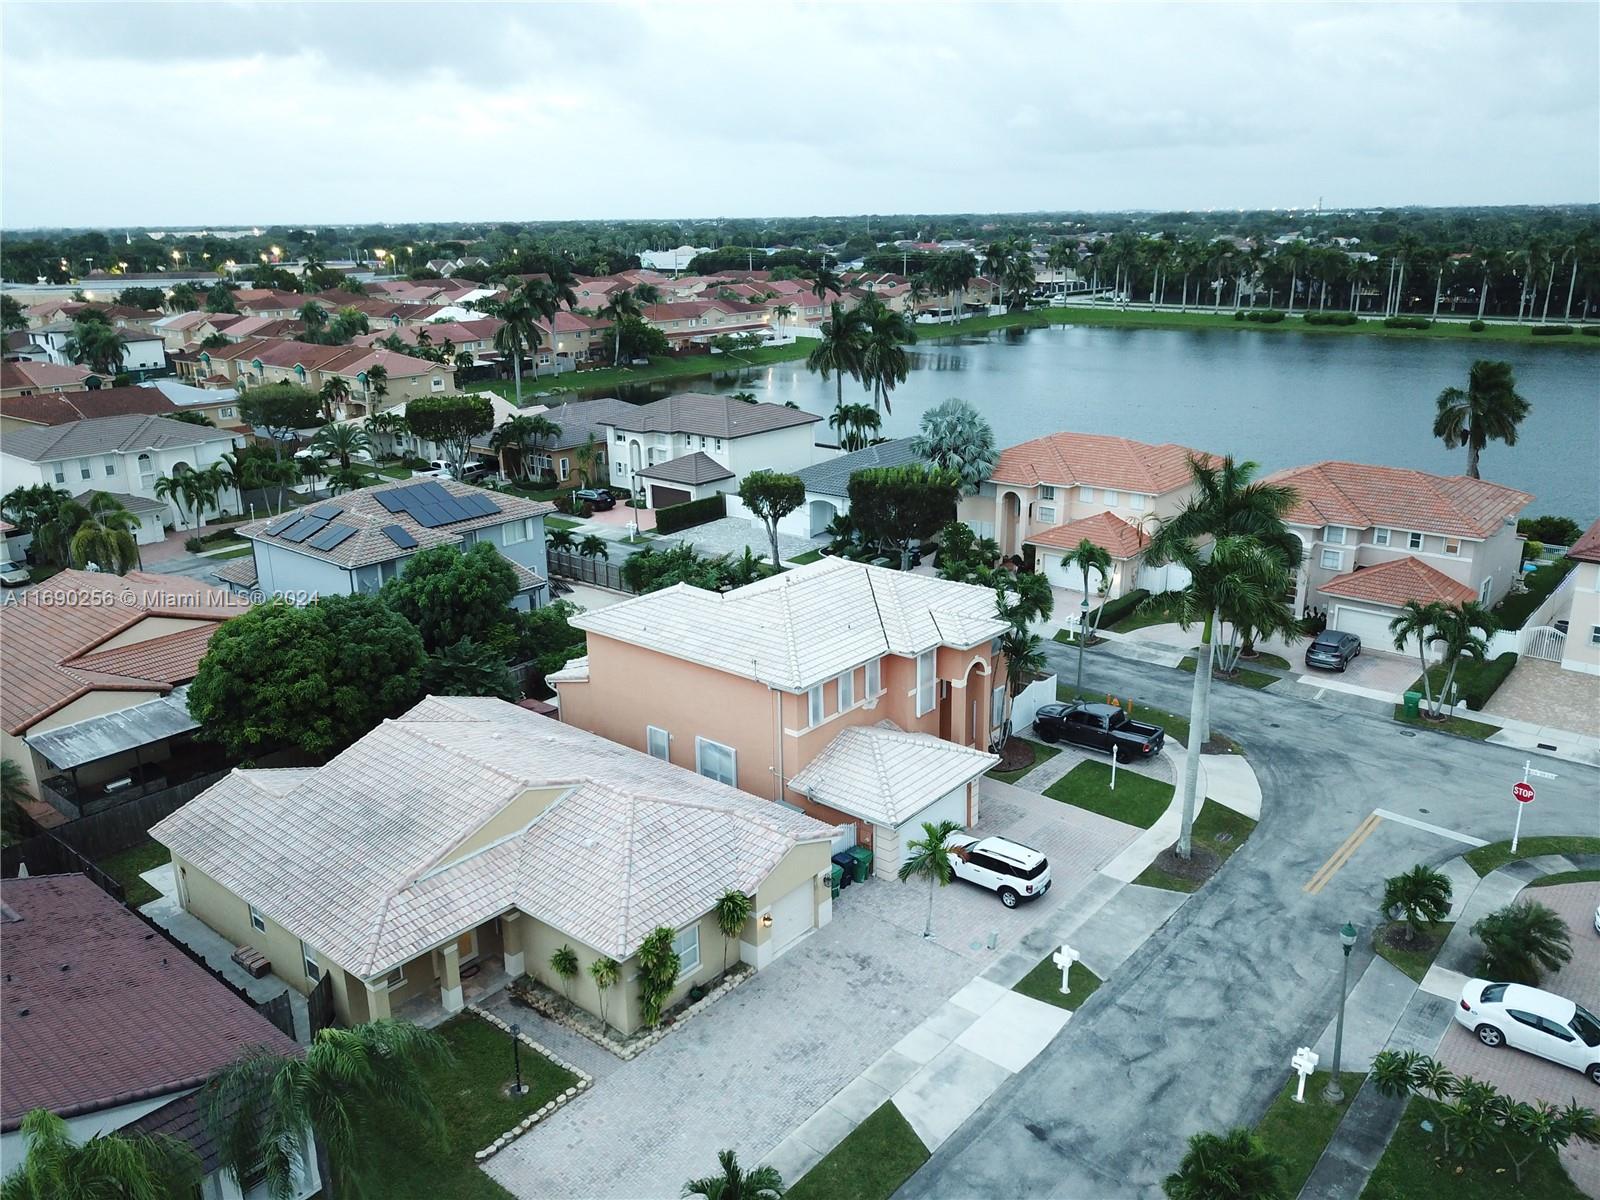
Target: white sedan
{"type": "Point", "coordinates": [1525, 1018]}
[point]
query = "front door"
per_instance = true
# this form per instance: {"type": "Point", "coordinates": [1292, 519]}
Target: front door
{"type": "Point", "coordinates": [467, 946]}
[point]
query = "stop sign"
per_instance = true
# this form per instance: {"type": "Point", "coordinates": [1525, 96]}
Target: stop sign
{"type": "Point", "coordinates": [1522, 791]}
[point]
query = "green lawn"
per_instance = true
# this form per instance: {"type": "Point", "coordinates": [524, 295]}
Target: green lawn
{"type": "Point", "coordinates": [1218, 829]}
{"type": "Point", "coordinates": [1138, 800]}
{"type": "Point", "coordinates": [1298, 1133]}
{"type": "Point", "coordinates": [235, 552]}
{"type": "Point", "coordinates": [1513, 612]}
{"type": "Point", "coordinates": [1041, 754]}
{"type": "Point", "coordinates": [476, 1111]}
{"type": "Point", "coordinates": [127, 865]}
{"type": "Point", "coordinates": [608, 378]}
{"type": "Point", "coordinates": [810, 556]}
{"type": "Point", "coordinates": [1243, 677]}
{"type": "Point", "coordinates": [1561, 877]}
{"type": "Point", "coordinates": [1140, 617]}
{"type": "Point", "coordinates": [1414, 961]}
{"type": "Point", "coordinates": [1460, 726]}
{"type": "Point", "coordinates": [1497, 854]}
{"type": "Point", "coordinates": [1414, 1168]}
{"type": "Point", "coordinates": [1177, 727]}
{"type": "Point", "coordinates": [560, 523]}
{"type": "Point", "coordinates": [870, 1164]}
{"type": "Point", "coordinates": [1044, 983]}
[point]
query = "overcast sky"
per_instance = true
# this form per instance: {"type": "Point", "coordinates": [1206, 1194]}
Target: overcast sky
{"type": "Point", "coordinates": [187, 114]}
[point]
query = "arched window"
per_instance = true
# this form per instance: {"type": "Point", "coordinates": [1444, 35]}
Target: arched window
{"type": "Point", "coordinates": [147, 472]}
{"type": "Point", "coordinates": [300, 371]}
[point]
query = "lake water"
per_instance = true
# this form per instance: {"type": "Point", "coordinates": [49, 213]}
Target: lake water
{"type": "Point", "coordinates": [1280, 399]}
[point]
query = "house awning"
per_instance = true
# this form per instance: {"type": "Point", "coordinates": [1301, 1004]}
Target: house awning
{"type": "Point", "coordinates": [100, 737]}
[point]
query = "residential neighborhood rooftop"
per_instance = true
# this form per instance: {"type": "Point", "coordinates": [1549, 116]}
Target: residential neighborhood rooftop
{"type": "Point", "coordinates": [883, 774]}
{"type": "Point", "coordinates": [1363, 496]}
{"type": "Point", "coordinates": [695, 468]}
{"type": "Point", "coordinates": [832, 478]}
{"type": "Point", "coordinates": [710, 416]}
{"type": "Point", "coordinates": [58, 408]}
{"type": "Point", "coordinates": [1096, 460]}
{"type": "Point", "coordinates": [1395, 582]}
{"type": "Point", "coordinates": [107, 435]}
{"type": "Point", "coordinates": [1106, 530]}
{"type": "Point", "coordinates": [14, 375]}
{"type": "Point", "coordinates": [1587, 547]}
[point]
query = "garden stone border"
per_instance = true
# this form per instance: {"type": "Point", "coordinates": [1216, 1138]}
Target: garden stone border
{"type": "Point", "coordinates": [585, 1081]}
{"type": "Point", "coordinates": [630, 1050]}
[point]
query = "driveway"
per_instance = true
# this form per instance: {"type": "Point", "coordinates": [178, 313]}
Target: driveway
{"type": "Point", "coordinates": [730, 535]}
{"type": "Point", "coordinates": [769, 1054]}
{"type": "Point", "coordinates": [1541, 693]}
{"type": "Point", "coordinates": [1373, 671]}
{"type": "Point", "coordinates": [1522, 1075]}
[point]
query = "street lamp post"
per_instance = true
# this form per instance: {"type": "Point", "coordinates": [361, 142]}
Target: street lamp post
{"type": "Point", "coordinates": [516, 1059]}
{"type": "Point", "coordinates": [1334, 1093]}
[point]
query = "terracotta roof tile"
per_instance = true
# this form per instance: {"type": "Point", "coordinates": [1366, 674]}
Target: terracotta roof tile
{"type": "Point", "coordinates": [1096, 460]}
{"type": "Point", "coordinates": [1397, 581]}
{"type": "Point", "coordinates": [1106, 530]}
{"type": "Point", "coordinates": [1362, 496]}
{"type": "Point", "coordinates": [1587, 548]}
{"type": "Point", "coordinates": [57, 408]}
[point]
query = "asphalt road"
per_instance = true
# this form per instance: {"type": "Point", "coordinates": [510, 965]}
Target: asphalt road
{"type": "Point", "coordinates": [1196, 1030]}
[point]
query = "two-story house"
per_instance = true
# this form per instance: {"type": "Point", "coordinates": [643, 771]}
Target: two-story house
{"type": "Point", "coordinates": [1580, 648]}
{"type": "Point", "coordinates": [123, 456]}
{"type": "Point", "coordinates": [1046, 496]}
{"type": "Point", "coordinates": [692, 445]}
{"type": "Point", "coordinates": [143, 353]}
{"type": "Point", "coordinates": [579, 421]}
{"type": "Point", "coordinates": [357, 541]}
{"type": "Point", "coordinates": [257, 361]}
{"type": "Point", "coordinates": [1375, 537]}
{"type": "Point", "coordinates": [865, 697]}
{"type": "Point", "coordinates": [34, 378]}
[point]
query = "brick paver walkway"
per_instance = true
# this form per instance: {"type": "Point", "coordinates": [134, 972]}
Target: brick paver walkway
{"type": "Point", "coordinates": [1544, 694]}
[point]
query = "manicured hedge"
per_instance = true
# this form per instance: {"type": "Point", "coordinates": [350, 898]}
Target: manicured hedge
{"type": "Point", "coordinates": [1330, 318]}
{"type": "Point", "coordinates": [1113, 611]}
{"type": "Point", "coordinates": [1406, 323]}
{"type": "Point", "coordinates": [694, 512]}
{"type": "Point", "coordinates": [1475, 681]}
{"type": "Point", "coordinates": [1590, 331]}
{"type": "Point", "coordinates": [1476, 325]}
{"type": "Point", "coordinates": [1552, 331]}
{"type": "Point", "coordinates": [1513, 612]}
{"type": "Point", "coordinates": [1261, 316]}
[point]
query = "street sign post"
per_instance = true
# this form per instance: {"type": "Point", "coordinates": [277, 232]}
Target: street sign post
{"type": "Point", "coordinates": [1522, 792]}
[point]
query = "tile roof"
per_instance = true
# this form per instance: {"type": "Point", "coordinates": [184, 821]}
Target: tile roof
{"type": "Point", "coordinates": [107, 435]}
{"type": "Point", "coordinates": [1106, 530]}
{"type": "Point", "coordinates": [1096, 460]}
{"type": "Point", "coordinates": [356, 857]}
{"type": "Point", "coordinates": [50, 645]}
{"type": "Point", "coordinates": [805, 625]}
{"type": "Point", "coordinates": [369, 544]}
{"type": "Point", "coordinates": [711, 416]}
{"type": "Point", "coordinates": [1393, 583]}
{"type": "Point", "coordinates": [57, 408]}
{"type": "Point", "coordinates": [885, 775]}
{"type": "Point", "coordinates": [1362, 496]}
{"type": "Point", "coordinates": [240, 571]}
{"type": "Point", "coordinates": [695, 468]}
{"type": "Point", "coordinates": [113, 1011]}
{"type": "Point", "coordinates": [579, 418]}
{"type": "Point", "coordinates": [1587, 547]}
{"type": "Point", "coordinates": [832, 478]}
{"type": "Point", "coordinates": [37, 374]}
{"type": "Point", "coordinates": [139, 506]}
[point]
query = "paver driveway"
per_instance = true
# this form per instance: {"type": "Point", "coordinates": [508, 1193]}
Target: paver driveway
{"type": "Point", "coordinates": [768, 1055]}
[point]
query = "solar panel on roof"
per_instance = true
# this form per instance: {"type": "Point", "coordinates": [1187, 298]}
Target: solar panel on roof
{"type": "Point", "coordinates": [303, 528]}
{"type": "Point", "coordinates": [331, 537]}
{"type": "Point", "coordinates": [393, 500]}
{"type": "Point", "coordinates": [429, 516]}
{"type": "Point", "coordinates": [282, 523]}
{"type": "Point", "coordinates": [326, 511]}
{"type": "Point", "coordinates": [400, 537]}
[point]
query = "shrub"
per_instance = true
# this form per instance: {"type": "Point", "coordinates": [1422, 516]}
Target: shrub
{"type": "Point", "coordinates": [1262, 316]}
{"type": "Point", "coordinates": [1239, 315]}
{"type": "Point", "coordinates": [1406, 323]}
{"type": "Point", "coordinates": [194, 544]}
{"type": "Point", "coordinates": [658, 973]}
{"type": "Point", "coordinates": [1590, 331]}
{"type": "Point", "coordinates": [1330, 318]}
{"type": "Point", "coordinates": [1483, 680]}
{"type": "Point", "coordinates": [1113, 611]}
{"type": "Point", "coordinates": [1552, 331]}
{"type": "Point", "coordinates": [1551, 530]}
{"type": "Point", "coordinates": [1522, 941]}
{"type": "Point", "coordinates": [693, 512]}
{"type": "Point", "coordinates": [1532, 550]}
{"type": "Point", "coordinates": [1476, 325]}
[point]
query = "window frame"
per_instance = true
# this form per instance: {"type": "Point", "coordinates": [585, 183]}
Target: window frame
{"type": "Point", "coordinates": [1452, 547]}
{"type": "Point", "coordinates": [1594, 635]}
{"type": "Point", "coordinates": [313, 969]}
{"type": "Point", "coordinates": [814, 706]}
{"type": "Point", "coordinates": [1328, 533]}
{"type": "Point", "coordinates": [1086, 494]}
{"type": "Point", "coordinates": [700, 746]}
{"type": "Point", "coordinates": [1336, 555]}
{"type": "Point", "coordinates": [930, 686]}
{"type": "Point", "coordinates": [1047, 491]}
{"type": "Point", "coordinates": [874, 677]}
{"type": "Point", "coordinates": [685, 970]}
{"type": "Point", "coordinates": [1136, 501]}
{"type": "Point", "coordinates": [1047, 514]}
{"type": "Point", "coordinates": [390, 983]}
{"type": "Point", "coordinates": [258, 920]}
{"type": "Point", "coordinates": [845, 689]}
{"type": "Point", "coordinates": [1381, 536]}
{"type": "Point", "coordinates": [997, 706]}
{"type": "Point", "coordinates": [1413, 540]}
{"type": "Point", "coordinates": [650, 732]}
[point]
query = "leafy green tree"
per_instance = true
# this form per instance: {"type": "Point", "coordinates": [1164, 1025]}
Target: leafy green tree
{"type": "Point", "coordinates": [315, 678]}
{"type": "Point", "coordinates": [733, 910]}
{"type": "Point", "coordinates": [151, 299]}
{"type": "Point", "coordinates": [12, 314]}
{"type": "Point", "coordinates": [452, 423]}
{"type": "Point", "coordinates": [96, 345]}
{"type": "Point", "coordinates": [735, 1183]}
{"type": "Point", "coordinates": [955, 436]}
{"type": "Point", "coordinates": [450, 594]}
{"type": "Point", "coordinates": [650, 570]}
{"type": "Point", "coordinates": [1420, 895]}
{"type": "Point", "coordinates": [15, 824]}
{"type": "Point", "coordinates": [1231, 1166]}
{"type": "Point", "coordinates": [116, 1166]}
{"type": "Point", "coordinates": [183, 298]}
{"type": "Point", "coordinates": [896, 506]}
{"type": "Point", "coordinates": [344, 1099]}
{"type": "Point", "coordinates": [1419, 621]}
{"type": "Point", "coordinates": [771, 496]}
{"type": "Point", "coordinates": [928, 857]}
{"type": "Point", "coordinates": [104, 535]}
{"type": "Point", "coordinates": [279, 409]}
{"type": "Point", "coordinates": [465, 668]}
{"type": "Point", "coordinates": [637, 338]}
{"type": "Point", "coordinates": [1488, 409]}
{"type": "Point", "coordinates": [1522, 941]}
{"type": "Point", "coordinates": [547, 638]}
{"type": "Point", "coordinates": [838, 351]}
{"type": "Point", "coordinates": [220, 299]}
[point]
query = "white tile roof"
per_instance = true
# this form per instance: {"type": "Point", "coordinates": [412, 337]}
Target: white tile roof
{"type": "Point", "coordinates": [341, 855]}
{"type": "Point", "coordinates": [805, 625]}
{"type": "Point", "coordinates": [885, 775]}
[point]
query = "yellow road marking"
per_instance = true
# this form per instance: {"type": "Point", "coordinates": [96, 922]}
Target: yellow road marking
{"type": "Point", "coordinates": [1342, 855]}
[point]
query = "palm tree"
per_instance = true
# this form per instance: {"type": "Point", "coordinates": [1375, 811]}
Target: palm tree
{"type": "Point", "coordinates": [519, 333]}
{"type": "Point", "coordinates": [884, 364]}
{"type": "Point", "coordinates": [522, 432]}
{"type": "Point", "coordinates": [764, 1183]}
{"type": "Point", "coordinates": [823, 280]}
{"type": "Point", "coordinates": [97, 345]}
{"type": "Point", "coordinates": [1063, 257]}
{"type": "Point", "coordinates": [175, 487]}
{"type": "Point", "coordinates": [839, 349]}
{"type": "Point", "coordinates": [378, 381]}
{"type": "Point", "coordinates": [342, 442]}
{"type": "Point", "coordinates": [561, 539]}
{"type": "Point", "coordinates": [312, 468]}
{"type": "Point", "coordinates": [1231, 1166]}
{"type": "Point", "coordinates": [268, 1111]}
{"type": "Point", "coordinates": [105, 536]}
{"type": "Point", "coordinates": [1087, 557]}
{"type": "Point", "coordinates": [733, 910]}
{"type": "Point", "coordinates": [995, 257]}
{"type": "Point", "coordinates": [855, 424]}
{"type": "Point", "coordinates": [605, 972]}
{"type": "Point", "coordinates": [1489, 409]}
{"type": "Point", "coordinates": [594, 546]}
{"type": "Point", "coordinates": [586, 456]}
{"type": "Point", "coordinates": [1419, 621]}
{"type": "Point", "coordinates": [1463, 631]}
{"type": "Point", "coordinates": [1417, 896]}
{"type": "Point", "coordinates": [1522, 941]}
{"type": "Point", "coordinates": [622, 305]}
{"type": "Point", "coordinates": [116, 1166]}
{"type": "Point", "coordinates": [782, 312]}
{"type": "Point", "coordinates": [1025, 662]}
{"type": "Point", "coordinates": [928, 857]}
{"type": "Point", "coordinates": [344, 479]}
{"type": "Point", "coordinates": [334, 393]}
{"type": "Point", "coordinates": [276, 473]}
{"type": "Point", "coordinates": [314, 317]}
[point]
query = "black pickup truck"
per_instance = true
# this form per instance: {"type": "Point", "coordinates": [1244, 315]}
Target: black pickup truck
{"type": "Point", "coordinates": [1103, 727]}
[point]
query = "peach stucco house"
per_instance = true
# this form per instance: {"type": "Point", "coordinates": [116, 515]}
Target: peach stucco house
{"type": "Point", "coordinates": [864, 697]}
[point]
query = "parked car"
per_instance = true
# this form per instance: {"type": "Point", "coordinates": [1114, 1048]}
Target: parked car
{"type": "Point", "coordinates": [598, 498]}
{"type": "Point", "coordinates": [1332, 650]}
{"type": "Point", "coordinates": [1014, 871]}
{"type": "Point", "coordinates": [13, 574]}
{"type": "Point", "coordinates": [476, 472]}
{"type": "Point", "coordinates": [1102, 727]}
{"type": "Point", "coordinates": [434, 470]}
{"type": "Point", "coordinates": [1540, 1022]}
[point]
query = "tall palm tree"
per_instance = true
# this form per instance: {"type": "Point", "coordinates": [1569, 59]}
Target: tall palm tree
{"type": "Point", "coordinates": [1420, 895]}
{"type": "Point", "coordinates": [1488, 409]}
{"type": "Point", "coordinates": [781, 313]}
{"type": "Point", "coordinates": [1418, 620]}
{"type": "Point", "coordinates": [955, 273]}
{"type": "Point", "coordinates": [378, 381]}
{"type": "Point", "coordinates": [334, 393]}
{"type": "Point", "coordinates": [928, 857]}
{"type": "Point", "coordinates": [269, 1111]}
{"type": "Point", "coordinates": [105, 536]}
{"type": "Point", "coordinates": [97, 345]}
{"type": "Point", "coordinates": [313, 467]}
{"type": "Point", "coordinates": [622, 305]}
{"type": "Point", "coordinates": [884, 364]}
{"type": "Point", "coordinates": [527, 435]}
{"type": "Point", "coordinates": [734, 1183]}
{"type": "Point", "coordinates": [855, 424]}
{"type": "Point", "coordinates": [517, 335]}
{"type": "Point", "coordinates": [995, 257]}
{"type": "Point", "coordinates": [342, 442]}
{"type": "Point", "coordinates": [115, 1166]}
{"type": "Point", "coordinates": [823, 279]}
{"type": "Point", "coordinates": [840, 347]}
{"type": "Point", "coordinates": [1087, 557]}
{"type": "Point", "coordinates": [177, 488]}
{"type": "Point", "coordinates": [1462, 631]}
{"type": "Point", "coordinates": [1063, 257]}
{"type": "Point", "coordinates": [314, 317]}
{"type": "Point", "coordinates": [1230, 1166]}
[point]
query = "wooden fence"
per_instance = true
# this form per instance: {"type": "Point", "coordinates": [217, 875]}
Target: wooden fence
{"type": "Point", "coordinates": [596, 571]}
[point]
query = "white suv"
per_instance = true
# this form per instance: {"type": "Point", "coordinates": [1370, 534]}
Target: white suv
{"type": "Point", "coordinates": [1015, 871]}
{"type": "Point", "coordinates": [1525, 1018]}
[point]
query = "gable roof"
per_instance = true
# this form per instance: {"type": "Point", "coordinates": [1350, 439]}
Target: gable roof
{"type": "Point", "coordinates": [695, 468]}
{"type": "Point", "coordinates": [1106, 530]}
{"type": "Point", "coordinates": [57, 408]}
{"type": "Point", "coordinates": [101, 1011]}
{"type": "Point", "coordinates": [805, 625]}
{"type": "Point", "coordinates": [347, 856]}
{"type": "Point", "coordinates": [1397, 581]}
{"type": "Point", "coordinates": [1587, 547]}
{"type": "Point", "coordinates": [579, 418]}
{"type": "Point", "coordinates": [885, 775]}
{"type": "Point", "coordinates": [42, 374]}
{"type": "Point", "coordinates": [108, 435]}
{"type": "Point", "coordinates": [1362, 496]}
{"type": "Point", "coordinates": [1096, 460]}
{"type": "Point", "coordinates": [710, 416]}
{"type": "Point", "coordinates": [832, 478]}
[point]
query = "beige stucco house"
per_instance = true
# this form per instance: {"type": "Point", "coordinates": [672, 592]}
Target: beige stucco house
{"type": "Point", "coordinates": [865, 697]}
{"type": "Point", "coordinates": [1580, 650]}
{"type": "Point", "coordinates": [472, 838]}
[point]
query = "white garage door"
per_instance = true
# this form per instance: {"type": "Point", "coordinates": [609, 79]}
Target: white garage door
{"type": "Point", "coordinates": [950, 807]}
{"type": "Point", "coordinates": [1370, 626]}
{"type": "Point", "coordinates": [793, 916]}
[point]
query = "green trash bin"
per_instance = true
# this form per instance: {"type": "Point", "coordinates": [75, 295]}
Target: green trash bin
{"type": "Point", "coordinates": [863, 861]}
{"type": "Point", "coordinates": [1413, 704]}
{"type": "Point", "coordinates": [836, 874]}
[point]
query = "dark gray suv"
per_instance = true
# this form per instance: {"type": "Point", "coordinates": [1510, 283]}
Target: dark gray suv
{"type": "Point", "coordinates": [1332, 650]}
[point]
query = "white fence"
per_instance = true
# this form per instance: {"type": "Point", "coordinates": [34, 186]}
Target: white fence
{"type": "Point", "coordinates": [1029, 700]}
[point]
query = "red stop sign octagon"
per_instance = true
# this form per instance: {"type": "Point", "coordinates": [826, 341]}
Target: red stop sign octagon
{"type": "Point", "coordinates": [1523, 792]}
